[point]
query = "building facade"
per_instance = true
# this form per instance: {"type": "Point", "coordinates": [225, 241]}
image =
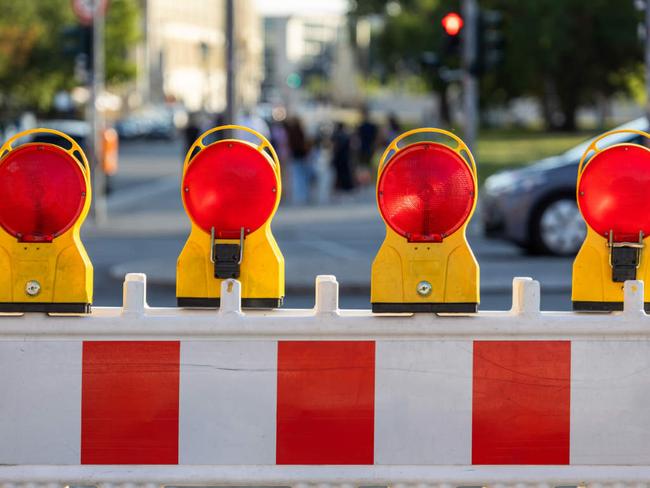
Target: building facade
{"type": "Point", "coordinates": [300, 47]}
{"type": "Point", "coordinates": [183, 53]}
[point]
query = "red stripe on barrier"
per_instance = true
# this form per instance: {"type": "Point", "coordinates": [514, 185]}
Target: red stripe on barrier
{"type": "Point", "coordinates": [326, 400]}
{"type": "Point", "coordinates": [521, 402]}
{"type": "Point", "coordinates": [129, 412]}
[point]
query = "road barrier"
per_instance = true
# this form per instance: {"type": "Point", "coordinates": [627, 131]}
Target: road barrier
{"type": "Point", "coordinates": [322, 397]}
{"type": "Point", "coordinates": [234, 397]}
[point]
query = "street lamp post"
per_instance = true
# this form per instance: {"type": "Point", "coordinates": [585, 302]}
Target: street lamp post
{"type": "Point", "coordinates": [470, 83]}
{"type": "Point", "coordinates": [95, 115]}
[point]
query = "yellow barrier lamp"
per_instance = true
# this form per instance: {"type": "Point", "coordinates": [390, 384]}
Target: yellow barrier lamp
{"type": "Point", "coordinates": [426, 193]}
{"type": "Point", "coordinates": [613, 194]}
{"type": "Point", "coordinates": [230, 189]}
{"type": "Point", "coordinates": [44, 199]}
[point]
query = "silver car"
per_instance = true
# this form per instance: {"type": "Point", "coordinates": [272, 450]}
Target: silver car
{"type": "Point", "coordinates": [535, 206]}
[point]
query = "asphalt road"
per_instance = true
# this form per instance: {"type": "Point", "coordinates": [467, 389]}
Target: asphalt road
{"type": "Point", "coordinates": [147, 229]}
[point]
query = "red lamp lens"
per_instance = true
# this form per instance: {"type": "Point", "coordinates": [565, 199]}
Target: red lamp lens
{"type": "Point", "coordinates": [426, 192]}
{"type": "Point", "coordinates": [230, 185]}
{"type": "Point", "coordinates": [614, 192]}
{"type": "Point", "coordinates": [42, 192]}
{"type": "Point", "coordinates": [452, 23]}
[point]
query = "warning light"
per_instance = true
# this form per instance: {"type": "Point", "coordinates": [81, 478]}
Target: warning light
{"type": "Point", "coordinates": [231, 190]}
{"type": "Point", "coordinates": [613, 194]}
{"type": "Point", "coordinates": [452, 23]}
{"type": "Point", "coordinates": [413, 199]}
{"type": "Point", "coordinates": [45, 192]}
{"type": "Point", "coordinates": [426, 194]}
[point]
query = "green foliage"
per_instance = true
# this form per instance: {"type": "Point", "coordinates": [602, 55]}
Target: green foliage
{"type": "Point", "coordinates": [33, 66]}
{"type": "Point", "coordinates": [122, 33]}
{"type": "Point", "coordinates": [564, 53]}
{"type": "Point", "coordinates": [31, 69]}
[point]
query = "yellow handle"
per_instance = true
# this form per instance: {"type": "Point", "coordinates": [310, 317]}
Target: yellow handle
{"type": "Point", "coordinates": [264, 143]}
{"type": "Point", "coordinates": [74, 147]}
{"type": "Point", "coordinates": [593, 146]}
{"type": "Point", "coordinates": [460, 146]}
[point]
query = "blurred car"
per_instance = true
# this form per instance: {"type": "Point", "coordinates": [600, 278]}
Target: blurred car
{"type": "Point", "coordinates": [76, 129]}
{"type": "Point", "coordinates": [149, 123]}
{"type": "Point", "coordinates": [535, 206]}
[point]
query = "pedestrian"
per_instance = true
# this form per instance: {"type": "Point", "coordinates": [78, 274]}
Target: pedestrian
{"type": "Point", "coordinates": [392, 130]}
{"type": "Point", "coordinates": [341, 160]}
{"type": "Point", "coordinates": [366, 143]}
{"type": "Point", "coordinates": [250, 119]}
{"type": "Point", "coordinates": [192, 130]}
{"type": "Point", "coordinates": [299, 160]}
{"type": "Point", "coordinates": [321, 156]}
{"type": "Point", "coordinates": [280, 142]}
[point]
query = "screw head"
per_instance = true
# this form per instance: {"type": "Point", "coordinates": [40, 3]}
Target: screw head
{"type": "Point", "coordinates": [424, 288]}
{"type": "Point", "coordinates": [32, 288]}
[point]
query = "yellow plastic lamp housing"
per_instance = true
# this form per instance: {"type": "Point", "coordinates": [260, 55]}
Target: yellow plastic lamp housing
{"type": "Point", "coordinates": [613, 195]}
{"type": "Point", "coordinates": [426, 194]}
{"type": "Point", "coordinates": [46, 196]}
{"type": "Point", "coordinates": [231, 189]}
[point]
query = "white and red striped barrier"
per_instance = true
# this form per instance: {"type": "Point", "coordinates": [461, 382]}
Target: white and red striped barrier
{"type": "Point", "coordinates": [139, 385]}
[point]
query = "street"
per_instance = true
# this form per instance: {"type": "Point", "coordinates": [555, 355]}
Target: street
{"type": "Point", "coordinates": [147, 228]}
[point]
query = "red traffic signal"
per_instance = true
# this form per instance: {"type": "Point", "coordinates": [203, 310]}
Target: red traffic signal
{"type": "Point", "coordinates": [452, 23]}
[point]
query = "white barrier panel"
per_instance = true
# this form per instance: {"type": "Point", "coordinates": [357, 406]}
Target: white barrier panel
{"type": "Point", "coordinates": [140, 385]}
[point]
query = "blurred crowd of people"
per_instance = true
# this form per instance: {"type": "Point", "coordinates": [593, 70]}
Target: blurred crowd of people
{"type": "Point", "coordinates": [329, 162]}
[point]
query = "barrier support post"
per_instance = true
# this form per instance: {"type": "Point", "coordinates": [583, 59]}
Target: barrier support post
{"type": "Point", "coordinates": [134, 294]}
{"type": "Point", "coordinates": [525, 296]}
{"type": "Point", "coordinates": [327, 295]}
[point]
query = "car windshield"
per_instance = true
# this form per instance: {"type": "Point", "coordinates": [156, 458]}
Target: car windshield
{"type": "Point", "coordinates": [638, 124]}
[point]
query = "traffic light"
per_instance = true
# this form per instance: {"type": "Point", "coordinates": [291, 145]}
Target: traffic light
{"type": "Point", "coordinates": [77, 39]}
{"type": "Point", "coordinates": [426, 193]}
{"type": "Point", "coordinates": [77, 43]}
{"type": "Point", "coordinates": [46, 195]}
{"type": "Point", "coordinates": [452, 23]}
{"type": "Point", "coordinates": [490, 41]}
{"type": "Point", "coordinates": [230, 189]}
{"type": "Point", "coordinates": [613, 194]}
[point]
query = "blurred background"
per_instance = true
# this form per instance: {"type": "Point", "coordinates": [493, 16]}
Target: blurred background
{"type": "Point", "coordinates": [330, 83]}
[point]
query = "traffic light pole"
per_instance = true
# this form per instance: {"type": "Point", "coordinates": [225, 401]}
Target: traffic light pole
{"type": "Point", "coordinates": [470, 82]}
{"type": "Point", "coordinates": [95, 116]}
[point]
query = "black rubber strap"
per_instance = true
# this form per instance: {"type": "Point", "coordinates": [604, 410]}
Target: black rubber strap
{"type": "Point", "coordinates": [204, 302]}
{"type": "Point", "coordinates": [437, 307]}
{"type": "Point", "coordinates": [52, 307]}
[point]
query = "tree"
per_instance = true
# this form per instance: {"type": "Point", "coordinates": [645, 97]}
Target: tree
{"type": "Point", "coordinates": [122, 33]}
{"type": "Point", "coordinates": [565, 53]}
{"type": "Point", "coordinates": [33, 66]}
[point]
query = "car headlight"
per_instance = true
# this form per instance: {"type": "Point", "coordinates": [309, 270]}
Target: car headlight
{"type": "Point", "coordinates": [499, 183]}
{"type": "Point", "coordinates": [510, 182]}
{"type": "Point", "coordinates": [529, 182]}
